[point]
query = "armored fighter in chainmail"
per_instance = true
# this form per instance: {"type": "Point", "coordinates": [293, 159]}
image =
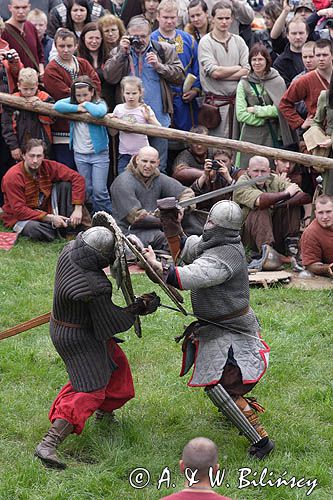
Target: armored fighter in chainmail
{"type": "Point", "coordinates": [228, 354]}
{"type": "Point", "coordinates": [83, 323]}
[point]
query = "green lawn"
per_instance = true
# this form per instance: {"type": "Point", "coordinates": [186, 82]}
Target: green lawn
{"type": "Point", "coordinates": [152, 429]}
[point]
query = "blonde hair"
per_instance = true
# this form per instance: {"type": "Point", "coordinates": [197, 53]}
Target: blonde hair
{"type": "Point", "coordinates": [169, 5]}
{"type": "Point", "coordinates": [132, 80]}
{"type": "Point", "coordinates": [28, 75]}
{"type": "Point", "coordinates": [37, 13]}
{"type": "Point", "coordinates": [110, 20]}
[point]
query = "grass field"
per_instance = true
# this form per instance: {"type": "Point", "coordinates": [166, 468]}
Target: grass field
{"type": "Point", "coordinates": [152, 429]}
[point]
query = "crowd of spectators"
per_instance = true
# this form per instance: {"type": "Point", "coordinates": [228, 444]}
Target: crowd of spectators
{"type": "Point", "coordinates": [204, 66]}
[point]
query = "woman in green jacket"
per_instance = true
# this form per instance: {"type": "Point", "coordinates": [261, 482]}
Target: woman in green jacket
{"type": "Point", "coordinates": [257, 99]}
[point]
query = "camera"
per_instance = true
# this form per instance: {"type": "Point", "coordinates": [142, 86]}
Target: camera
{"type": "Point", "coordinates": [8, 56]}
{"type": "Point", "coordinates": [135, 41]}
{"type": "Point", "coordinates": [294, 3]}
{"type": "Point", "coordinates": [216, 165]}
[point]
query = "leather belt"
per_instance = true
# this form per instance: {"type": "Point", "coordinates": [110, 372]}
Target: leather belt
{"type": "Point", "coordinates": [225, 99]}
{"type": "Point", "coordinates": [68, 325]}
{"type": "Point", "coordinates": [235, 314]}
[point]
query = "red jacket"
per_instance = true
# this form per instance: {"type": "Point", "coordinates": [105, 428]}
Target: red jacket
{"type": "Point", "coordinates": [57, 82]}
{"type": "Point", "coordinates": [21, 191]}
{"type": "Point", "coordinates": [306, 88]}
{"type": "Point", "coordinates": [31, 38]}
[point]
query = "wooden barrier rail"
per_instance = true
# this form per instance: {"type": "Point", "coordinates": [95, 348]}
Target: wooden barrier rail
{"type": "Point", "coordinates": [170, 133]}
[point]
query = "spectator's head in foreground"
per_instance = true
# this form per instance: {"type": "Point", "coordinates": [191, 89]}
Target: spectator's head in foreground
{"type": "Point", "coordinates": [201, 455]}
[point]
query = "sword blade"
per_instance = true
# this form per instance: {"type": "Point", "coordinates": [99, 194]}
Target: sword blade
{"type": "Point", "coordinates": [218, 192]}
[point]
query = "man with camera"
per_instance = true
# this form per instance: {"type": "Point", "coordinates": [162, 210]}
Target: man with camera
{"type": "Point", "coordinates": [22, 36]}
{"type": "Point", "coordinates": [158, 66]}
{"type": "Point", "coordinates": [218, 173]}
{"type": "Point", "coordinates": [10, 66]}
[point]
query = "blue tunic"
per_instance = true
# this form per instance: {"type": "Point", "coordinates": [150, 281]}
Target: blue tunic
{"type": "Point", "coordinates": [185, 114]}
{"type": "Point", "coordinates": [151, 84]}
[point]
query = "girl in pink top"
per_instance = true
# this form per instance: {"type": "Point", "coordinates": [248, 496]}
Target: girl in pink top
{"type": "Point", "coordinates": [133, 110]}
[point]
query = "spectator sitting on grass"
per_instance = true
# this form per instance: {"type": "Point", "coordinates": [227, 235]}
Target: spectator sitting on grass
{"type": "Point", "coordinates": [42, 196]}
{"type": "Point", "coordinates": [317, 239]}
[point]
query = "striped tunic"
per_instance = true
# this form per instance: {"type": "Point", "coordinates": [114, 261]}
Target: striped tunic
{"type": "Point", "coordinates": [84, 316]}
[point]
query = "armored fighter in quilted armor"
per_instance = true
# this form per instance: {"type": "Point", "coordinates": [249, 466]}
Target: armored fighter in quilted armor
{"type": "Point", "coordinates": [228, 359]}
{"type": "Point", "coordinates": [83, 324]}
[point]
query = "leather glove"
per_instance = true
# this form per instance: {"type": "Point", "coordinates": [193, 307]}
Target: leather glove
{"type": "Point", "coordinates": [145, 304]}
{"type": "Point", "coordinates": [168, 213]}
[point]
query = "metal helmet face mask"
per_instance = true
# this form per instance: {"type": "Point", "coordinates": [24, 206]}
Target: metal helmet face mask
{"type": "Point", "coordinates": [225, 214]}
{"type": "Point", "coordinates": [101, 239]}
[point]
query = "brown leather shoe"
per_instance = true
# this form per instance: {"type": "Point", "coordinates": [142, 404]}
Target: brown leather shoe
{"type": "Point", "coordinates": [46, 450]}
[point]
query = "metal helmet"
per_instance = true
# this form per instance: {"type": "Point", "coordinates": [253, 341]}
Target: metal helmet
{"type": "Point", "coordinates": [101, 239]}
{"type": "Point", "coordinates": [272, 260]}
{"type": "Point", "coordinates": [226, 214]}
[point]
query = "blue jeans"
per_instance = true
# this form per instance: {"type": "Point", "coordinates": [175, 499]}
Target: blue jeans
{"type": "Point", "coordinates": [94, 168]}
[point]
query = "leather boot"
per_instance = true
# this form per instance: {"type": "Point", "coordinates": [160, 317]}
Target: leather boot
{"type": "Point", "coordinates": [249, 407]}
{"type": "Point", "coordinates": [46, 450]}
{"type": "Point", "coordinates": [262, 449]}
{"type": "Point", "coordinates": [104, 415]}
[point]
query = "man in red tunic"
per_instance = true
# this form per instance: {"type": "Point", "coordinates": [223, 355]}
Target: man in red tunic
{"type": "Point", "coordinates": [317, 239]}
{"type": "Point", "coordinates": [36, 202]}
{"type": "Point", "coordinates": [22, 36]}
{"type": "Point", "coordinates": [308, 87]}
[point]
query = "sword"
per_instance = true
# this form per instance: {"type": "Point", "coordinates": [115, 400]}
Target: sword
{"type": "Point", "coordinates": [106, 220]}
{"type": "Point", "coordinates": [26, 325]}
{"type": "Point", "coordinates": [209, 322]}
{"type": "Point", "coordinates": [218, 192]}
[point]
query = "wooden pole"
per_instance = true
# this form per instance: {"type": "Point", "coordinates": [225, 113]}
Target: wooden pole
{"type": "Point", "coordinates": [170, 133]}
